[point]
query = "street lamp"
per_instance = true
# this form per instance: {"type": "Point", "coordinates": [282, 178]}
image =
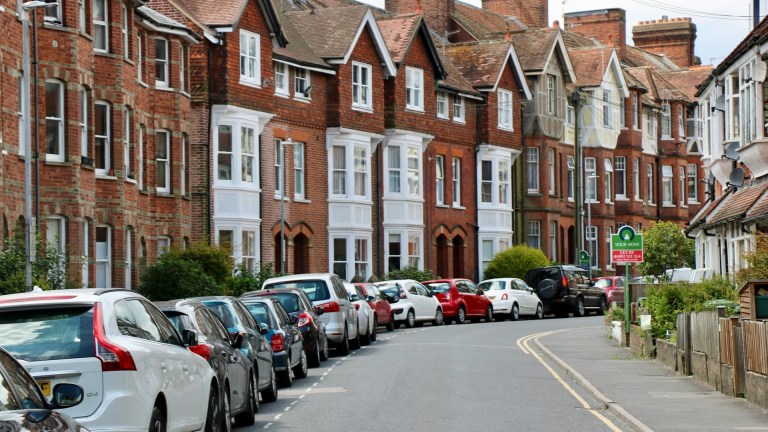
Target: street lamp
{"type": "Point", "coordinates": [287, 142]}
{"type": "Point", "coordinates": [593, 177]}
{"type": "Point", "coordinates": [28, 251]}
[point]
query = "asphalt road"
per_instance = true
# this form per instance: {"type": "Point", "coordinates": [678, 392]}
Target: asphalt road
{"type": "Point", "coordinates": [470, 377]}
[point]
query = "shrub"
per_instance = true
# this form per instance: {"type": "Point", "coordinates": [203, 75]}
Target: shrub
{"type": "Point", "coordinates": [515, 262]}
{"type": "Point", "coordinates": [757, 261]}
{"type": "Point", "coordinates": [48, 269]}
{"type": "Point", "coordinates": [665, 247]}
{"type": "Point", "coordinates": [174, 277]}
{"type": "Point", "coordinates": [245, 280]}
{"type": "Point", "coordinates": [214, 260]}
{"type": "Point", "coordinates": [410, 273]}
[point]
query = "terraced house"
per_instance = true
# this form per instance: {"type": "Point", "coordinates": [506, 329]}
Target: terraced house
{"type": "Point", "coordinates": [335, 136]}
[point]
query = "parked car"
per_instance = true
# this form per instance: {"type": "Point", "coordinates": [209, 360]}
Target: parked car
{"type": "Point", "coordinates": [512, 297]}
{"type": "Point", "coordinates": [24, 407]}
{"type": "Point", "coordinates": [326, 290]}
{"type": "Point", "coordinates": [611, 285]}
{"type": "Point", "coordinates": [238, 392]}
{"type": "Point", "coordinates": [417, 304]}
{"type": "Point", "coordinates": [380, 305]}
{"type": "Point", "coordinates": [461, 299]}
{"type": "Point", "coordinates": [366, 318]}
{"type": "Point", "coordinates": [566, 288]}
{"type": "Point", "coordinates": [298, 305]}
{"type": "Point", "coordinates": [135, 369]}
{"type": "Point", "coordinates": [285, 338]}
{"type": "Point", "coordinates": [238, 321]}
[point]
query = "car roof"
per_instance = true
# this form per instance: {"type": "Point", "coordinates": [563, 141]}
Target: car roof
{"type": "Point", "coordinates": [299, 277]}
{"type": "Point", "coordinates": [80, 296]}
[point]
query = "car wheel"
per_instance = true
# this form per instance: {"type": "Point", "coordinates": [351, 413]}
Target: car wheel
{"type": "Point", "coordinates": [157, 421]}
{"type": "Point", "coordinates": [343, 347]}
{"type": "Point", "coordinates": [214, 409]}
{"type": "Point", "coordinates": [579, 310]}
{"type": "Point", "coordinates": [489, 314]}
{"type": "Point", "coordinates": [396, 325]}
{"type": "Point", "coordinates": [514, 314]}
{"type": "Point", "coordinates": [539, 312]}
{"type": "Point", "coordinates": [286, 376]}
{"type": "Point", "coordinates": [355, 343]}
{"type": "Point", "coordinates": [246, 418]}
{"type": "Point", "coordinates": [603, 306]}
{"type": "Point", "coordinates": [391, 323]}
{"type": "Point", "coordinates": [270, 394]}
{"type": "Point", "coordinates": [225, 424]}
{"type": "Point", "coordinates": [375, 329]}
{"type": "Point", "coordinates": [324, 352]}
{"type": "Point", "coordinates": [461, 315]}
{"type": "Point", "coordinates": [438, 321]}
{"type": "Point", "coordinates": [315, 358]}
{"type": "Point", "coordinates": [366, 340]}
{"type": "Point", "coordinates": [410, 319]}
{"type": "Point", "coordinates": [301, 369]}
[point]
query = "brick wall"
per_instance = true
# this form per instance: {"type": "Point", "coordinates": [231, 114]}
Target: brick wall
{"type": "Point", "coordinates": [674, 38]}
{"type": "Point", "coordinates": [609, 26]}
{"type": "Point", "coordinates": [532, 13]}
{"type": "Point", "coordinates": [437, 13]}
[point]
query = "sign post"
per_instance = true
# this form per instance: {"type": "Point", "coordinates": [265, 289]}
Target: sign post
{"type": "Point", "coordinates": [585, 261]}
{"type": "Point", "coordinates": [626, 248]}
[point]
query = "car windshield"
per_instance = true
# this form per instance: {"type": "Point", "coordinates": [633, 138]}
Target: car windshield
{"type": "Point", "coordinates": [316, 290]}
{"type": "Point", "coordinates": [392, 290]}
{"type": "Point", "coordinates": [533, 277]}
{"type": "Point", "coordinates": [48, 334]}
{"type": "Point", "coordinates": [222, 311]}
{"type": "Point", "coordinates": [604, 283]}
{"type": "Point", "coordinates": [179, 320]}
{"type": "Point", "coordinates": [439, 287]}
{"type": "Point", "coordinates": [289, 301]}
{"type": "Point", "coordinates": [492, 285]}
{"type": "Point", "coordinates": [259, 312]}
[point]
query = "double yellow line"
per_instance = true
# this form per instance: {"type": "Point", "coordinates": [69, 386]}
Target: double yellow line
{"type": "Point", "coordinates": [523, 342]}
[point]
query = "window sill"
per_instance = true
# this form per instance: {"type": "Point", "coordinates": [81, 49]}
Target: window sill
{"type": "Point", "coordinates": [185, 93]}
{"type": "Point", "coordinates": [285, 198]}
{"type": "Point", "coordinates": [129, 61]}
{"type": "Point", "coordinates": [104, 53]}
{"type": "Point", "coordinates": [58, 162]}
{"type": "Point", "coordinates": [302, 99]}
{"type": "Point", "coordinates": [249, 83]}
{"type": "Point", "coordinates": [505, 128]}
{"type": "Point", "coordinates": [442, 118]}
{"type": "Point", "coordinates": [164, 88]}
{"type": "Point", "coordinates": [693, 203]}
{"type": "Point", "coordinates": [283, 95]}
{"type": "Point", "coordinates": [458, 207]}
{"type": "Point", "coordinates": [439, 205]}
{"type": "Point", "coordinates": [165, 195]}
{"type": "Point", "coordinates": [683, 206]}
{"type": "Point", "coordinates": [668, 205]}
{"type": "Point", "coordinates": [105, 177]}
{"type": "Point", "coordinates": [143, 84]}
{"type": "Point", "coordinates": [301, 200]}
{"type": "Point", "coordinates": [362, 108]}
{"type": "Point", "coordinates": [620, 198]}
{"type": "Point", "coordinates": [461, 121]}
{"type": "Point", "coordinates": [535, 193]}
{"type": "Point", "coordinates": [414, 110]}
{"type": "Point", "coordinates": [639, 200]}
{"type": "Point", "coordinates": [130, 180]}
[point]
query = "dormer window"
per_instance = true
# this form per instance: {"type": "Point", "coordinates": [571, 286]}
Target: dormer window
{"type": "Point", "coordinates": [666, 120]}
{"type": "Point", "coordinates": [414, 89]}
{"type": "Point", "coordinates": [458, 109]}
{"type": "Point", "coordinates": [607, 110]}
{"type": "Point", "coordinates": [161, 62]}
{"type": "Point", "coordinates": [505, 109]}
{"type": "Point", "coordinates": [442, 105]}
{"type": "Point", "coordinates": [281, 78]}
{"type": "Point", "coordinates": [551, 95]}
{"type": "Point", "coordinates": [250, 58]}
{"type": "Point", "coordinates": [361, 85]}
{"type": "Point", "coordinates": [301, 86]}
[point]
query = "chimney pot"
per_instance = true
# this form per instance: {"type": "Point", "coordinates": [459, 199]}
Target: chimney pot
{"type": "Point", "coordinates": [556, 24]}
{"type": "Point", "coordinates": [664, 18]}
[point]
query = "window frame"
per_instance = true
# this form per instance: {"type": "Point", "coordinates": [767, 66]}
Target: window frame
{"type": "Point", "coordinates": [250, 60]}
{"type": "Point", "coordinates": [361, 88]}
{"type": "Point", "coordinates": [299, 186]}
{"type": "Point", "coordinates": [636, 174]}
{"type": "Point", "coordinates": [124, 31]}
{"type": "Point", "coordinates": [551, 94]}
{"type": "Point", "coordinates": [458, 106]}
{"type": "Point", "coordinates": [440, 180]}
{"type": "Point", "coordinates": [667, 189]}
{"type": "Point", "coordinates": [666, 120]}
{"type": "Point", "coordinates": [693, 189]}
{"type": "Point", "coordinates": [441, 104]}
{"type": "Point", "coordinates": [590, 167]}
{"type": "Point", "coordinates": [83, 123]}
{"type": "Point", "coordinates": [164, 244]}
{"type": "Point", "coordinates": [620, 165]}
{"type": "Point", "coordinates": [166, 161]}
{"type": "Point", "coordinates": [102, 261]}
{"type": "Point", "coordinates": [456, 181]}
{"type": "Point", "coordinates": [99, 24]}
{"type": "Point", "coordinates": [505, 110]}
{"type": "Point", "coordinates": [414, 89]}
{"type": "Point", "coordinates": [60, 120]}
{"type": "Point", "coordinates": [534, 234]}
{"type": "Point", "coordinates": [607, 108]}
{"type": "Point", "coordinates": [106, 138]}
{"type": "Point", "coordinates": [533, 183]}
{"type": "Point", "coordinates": [552, 172]}
{"type": "Point", "coordinates": [301, 91]}
{"type": "Point", "coordinates": [162, 64]}
{"type": "Point", "coordinates": [127, 127]}
{"type": "Point", "coordinates": [281, 76]}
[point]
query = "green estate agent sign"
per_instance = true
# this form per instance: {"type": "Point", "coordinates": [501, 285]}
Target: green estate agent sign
{"type": "Point", "coordinates": [626, 246]}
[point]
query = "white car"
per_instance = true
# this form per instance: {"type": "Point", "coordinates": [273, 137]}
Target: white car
{"type": "Point", "coordinates": [416, 304]}
{"type": "Point", "coordinates": [365, 315]}
{"type": "Point", "coordinates": [135, 369]}
{"type": "Point", "coordinates": [512, 297]}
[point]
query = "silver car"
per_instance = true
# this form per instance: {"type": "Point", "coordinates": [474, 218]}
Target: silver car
{"type": "Point", "coordinates": [326, 290]}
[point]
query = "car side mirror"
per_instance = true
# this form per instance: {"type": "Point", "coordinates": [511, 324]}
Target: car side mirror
{"type": "Point", "coordinates": [294, 319]}
{"type": "Point", "coordinates": [480, 292]}
{"type": "Point", "coordinates": [263, 328]}
{"type": "Point", "coordinates": [189, 337]}
{"type": "Point", "coordinates": [430, 294]}
{"type": "Point", "coordinates": [319, 311]}
{"type": "Point", "coordinates": [66, 395]}
{"type": "Point", "coordinates": [237, 341]}
{"type": "Point", "coordinates": [370, 298]}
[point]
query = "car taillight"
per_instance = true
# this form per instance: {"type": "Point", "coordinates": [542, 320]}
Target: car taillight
{"type": "Point", "coordinates": [402, 295]}
{"type": "Point", "coordinates": [565, 282]}
{"type": "Point", "coordinates": [331, 307]}
{"type": "Point", "coordinates": [447, 297]}
{"type": "Point", "coordinates": [305, 319]}
{"type": "Point", "coordinates": [277, 342]}
{"type": "Point", "coordinates": [504, 296]}
{"type": "Point", "coordinates": [203, 350]}
{"type": "Point", "coordinates": [357, 306]}
{"type": "Point", "coordinates": [113, 357]}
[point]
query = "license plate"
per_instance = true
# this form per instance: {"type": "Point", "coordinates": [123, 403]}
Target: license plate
{"type": "Point", "coordinates": [45, 386]}
{"type": "Point", "coordinates": [492, 297]}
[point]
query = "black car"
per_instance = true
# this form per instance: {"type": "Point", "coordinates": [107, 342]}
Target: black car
{"type": "Point", "coordinates": [239, 395]}
{"type": "Point", "coordinates": [284, 336]}
{"type": "Point", "coordinates": [564, 289]}
{"type": "Point", "coordinates": [24, 408]}
{"type": "Point", "coordinates": [297, 304]}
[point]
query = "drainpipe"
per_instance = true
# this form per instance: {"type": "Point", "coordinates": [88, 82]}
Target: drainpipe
{"type": "Point", "coordinates": [380, 203]}
{"type": "Point", "coordinates": [576, 102]}
{"type": "Point", "coordinates": [659, 198]}
{"type": "Point", "coordinates": [208, 182]}
{"type": "Point", "coordinates": [476, 226]}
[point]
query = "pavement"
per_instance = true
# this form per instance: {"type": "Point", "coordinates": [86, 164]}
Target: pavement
{"type": "Point", "coordinates": [642, 392]}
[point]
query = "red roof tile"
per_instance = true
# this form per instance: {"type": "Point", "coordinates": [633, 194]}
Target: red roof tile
{"type": "Point", "coordinates": [533, 47]}
{"type": "Point", "coordinates": [483, 24]}
{"type": "Point", "coordinates": [225, 12]}
{"type": "Point", "coordinates": [687, 80]}
{"type": "Point", "coordinates": [479, 62]}
{"type": "Point", "coordinates": [398, 33]}
{"type": "Point", "coordinates": [321, 30]}
{"type": "Point", "coordinates": [738, 204]}
{"type": "Point", "coordinates": [589, 65]}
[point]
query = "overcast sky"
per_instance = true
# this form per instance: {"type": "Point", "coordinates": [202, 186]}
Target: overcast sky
{"type": "Point", "coordinates": [720, 24]}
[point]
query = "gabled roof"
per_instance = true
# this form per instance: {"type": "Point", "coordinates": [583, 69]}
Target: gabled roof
{"type": "Point", "coordinates": [688, 80]}
{"type": "Point", "coordinates": [736, 206]}
{"type": "Point", "coordinates": [701, 216]}
{"type": "Point", "coordinates": [483, 63]}
{"type": "Point", "coordinates": [225, 15]}
{"type": "Point", "coordinates": [757, 36]}
{"type": "Point", "coordinates": [633, 82]}
{"type": "Point", "coordinates": [660, 88]}
{"type": "Point", "coordinates": [636, 57]}
{"type": "Point", "coordinates": [333, 42]}
{"type": "Point", "coordinates": [759, 210]}
{"type": "Point", "coordinates": [537, 48]}
{"type": "Point", "coordinates": [573, 40]}
{"type": "Point", "coordinates": [483, 24]}
{"type": "Point", "coordinates": [297, 52]}
{"type": "Point", "coordinates": [592, 65]}
{"type": "Point", "coordinates": [163, 24]}
{"type": "Point", "coordinates": [399, 33]}
{"type": "Point", "coordinates": [454, 80]}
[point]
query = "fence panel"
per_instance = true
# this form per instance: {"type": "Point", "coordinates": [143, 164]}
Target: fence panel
{"type": "Point", "coordinates": [726, 341]}
{"type": "Point", "coordinates": [681, 333]}
{"type": "Point", "coordinates": [704, 333]}
{"type": "Point", "coordinates": [756, 346]}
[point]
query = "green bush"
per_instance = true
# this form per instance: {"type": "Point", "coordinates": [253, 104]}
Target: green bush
{"type": "Point", "coordinates": [214, 260]}
{"type": "Point", "coordinates": [410, 273]}
{"type": "Point", "coordinates": [245, 280]}
{"type": "Point", "coordinates": [665, 246]}
{"type": "Point", "coordinates": [174, 277]}
{"type": "Point", "coordinates": [48, 269]}
{"type": "Point", "coordinates": [757, 261]}
{"type": "Point", "coordinates": [515, 262]}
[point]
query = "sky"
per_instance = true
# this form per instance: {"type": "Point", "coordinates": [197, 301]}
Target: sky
{"type": "Point", "coordinates": [720, 24]}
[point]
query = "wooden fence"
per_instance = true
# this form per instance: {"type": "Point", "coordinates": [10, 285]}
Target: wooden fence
{"type": "Point", "coordinates": [727, 341]}
{"type": "Point", "coordinates": [756, 346]}
{"type": "Point", "coordinates": [705, 335]}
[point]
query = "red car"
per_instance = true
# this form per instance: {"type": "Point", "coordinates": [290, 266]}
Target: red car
{"type": "Point", "coordinates": [611, 284]}
{"type": "Point", "coordinates": [461, 299]}
{"type": "Point", "coordinates": [380, 304]}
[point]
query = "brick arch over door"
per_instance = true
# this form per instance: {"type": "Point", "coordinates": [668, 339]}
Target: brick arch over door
{"type": "Point", "coordinates": [459, 242]}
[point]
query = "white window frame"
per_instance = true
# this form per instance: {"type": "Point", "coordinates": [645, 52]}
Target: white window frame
{"type": "Point", "coordinates": [351, 261]}
{"type": "Point", "coordinates": [552, 176]}
{"type": "Point", "coordinates": [620, 163]}
{"type": "Point", "coordinates": [162, 64]}
{"type": "Point", "coordinates": [281, 71]}
{"type": "Point", "coordinates": [622, 113]}
{"type": "Point", "coordinates": [636, 168]}
{"type": "Point", "coordinates": [551, 94]}
{"type": "Point", "coordinates": [666, 120]}
{"type": "Point", "coordinates": [440, 180]}
{"type": "Point", "coordinates": [164, 244]}
{"type": "Point", "coordinates": [442, 105]}
{"type": "Point", "coordinates": [351, 178]}
{"type": "Point", "coordinates": [85, 268]}
{"type": "Point", "coordinates": [139, 58]}
{"type": "Point", "coordinates": [607, 185]}
{"type": "Point", "coordinates": [105, 137]}
{"type": "Point", "coordinates": [301, 84]}
{"type": "Point", "coordinates": [53, 14]}
{"type": "Point", "coordinates": [532, 167]}
{"type": "Point", "coordinates": [590, 169]}
{"type": "Point", "coordinates": [183, 166]}
{"type": "Point", "coordinates": [22, 115]}
{"type": "Point", "coordinates": [250, 58]}
{"type": "Point", "coordinates": [553, 241]}
{"type": "Point", "coordinates": [505, 112]}
{"type": "Point", "coordinates": [339, 173]}
{"type": "Point", "coordinates": [607, 109]}
{"type": "Point", "coordinates": [458, 109]}
{"type": "Point", "coordinates": [681, 185]}
{"type": "Point", "coordinates": [649, 180]}
{"type": "Point", "coordinates": [590, 237]}
{"type": "Point", "coordinates": [102, 23]}
{"type": "Point", "coordinates": [183, 68]}
{"type": "Point", "coordinates": [693, 180]}
{"type": "Point", "coordinates": [124, 30]}
{"type": "Point", "coordinates": [360, 177]}
{"type": "Point", "coordinates": [680, 122]}
{"type": "Point", "coordinates": [56, 236]}
{"type": "Point", "coordinates": [403, 179]}
{"type": "Point", "coordinates": [247, 138]}
{"type": "Point", "coordinates": [140, 157]}
{"type": "Point", "coordinates": [299, 185]}
{"type": "Point", "coordinates": [127, 117]}
{"type": "Point", "coordinates": [103, 257]}
{"type": "Point", "coordinates": [279, 175]}
{"type": "Point", "coordinates": [571, 178]}
{"type": "Point", "coordinates": [83, 121]}
{"type": "Point", "coordinates": [128, 258]}
{"type": "Point", "coordinates": [361, 86]}
{"type": "Point", "coordinates": [666, 185]}
{"type": "Point", "coordinates": [411, 248]}
{"type": "Point", "coordinates": [636, 112]}
{"type": "Point", "coordinates": [57, 121]}
{"type": "Point", "coordinates": [82, 24]}
{"type": "Point", "coordinates": [165, 161]}
{"type": "Point", "coordinates": [456, 181]}
{"type": "Point", "coordinates": [498, 184]}
{"type": "Point", "coordinates": [248, 256]}
{"type": "Point", "coordinates": [534, 234]}
{"type": "Point", "coordinates": [414, 89]}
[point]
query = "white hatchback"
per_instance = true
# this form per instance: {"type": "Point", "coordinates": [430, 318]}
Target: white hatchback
{"type": "Point", "coordinates": [135, 369]}
{"type": "Point", "coordinates": [416, 303]}
{"type": "Point", "coordinates": [512, 297]}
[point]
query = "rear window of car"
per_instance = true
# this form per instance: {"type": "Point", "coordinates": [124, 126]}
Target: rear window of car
{"type": "Point", "coordinates": [179, 320]}
{"type": "Point", "coordinates": [392, 290]}
{"type": "Point", "coordinates": [316, 290]}
{"type": "Point", "coordinates": [603, 283]}
{"type": "Point", "coordinates": [260, 312]}
{"type": "Point", "coordinates": [290, 302]}
{"type": "Point", "coordinates": [533, 277]}
{"type": "Point", "coordinates": [221, 310]}
{"type": "Point", "coordinates": [492, 285]}
{"type": "Point", "coordinates": [439, 287]}
{"type": "Point", "coordinates": [48, 334]}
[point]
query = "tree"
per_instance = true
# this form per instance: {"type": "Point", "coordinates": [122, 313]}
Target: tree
{"type": "Point", "coordinates": [756, 259]}
{"type": "Point", "coordinates": [246, 280]}
{"type": "Point", "coordinates": [665, 247]}
{"type": "Point", "coordinates": [515, 262]}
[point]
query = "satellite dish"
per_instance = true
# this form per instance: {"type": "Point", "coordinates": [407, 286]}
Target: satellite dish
{"type": "Point", "coordinates": [737, 177]}
{"type": "Point", "coordinates": [720, 103]}
{"type": "Point", "coordinates": [730, 150]}
{"type": "Point", "coordinates": [760, 71]}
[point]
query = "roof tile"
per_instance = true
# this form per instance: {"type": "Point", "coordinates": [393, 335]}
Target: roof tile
{"type": "Point", "coordinates": [738, 204]}
{"type": "Point", "coordinates": [479, 62]}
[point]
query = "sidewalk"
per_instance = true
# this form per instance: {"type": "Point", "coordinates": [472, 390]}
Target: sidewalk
{"type": "Point", "coordinates": [644, 392]}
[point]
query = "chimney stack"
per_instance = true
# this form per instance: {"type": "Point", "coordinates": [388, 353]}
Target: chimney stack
{"type": "Point", "coordinates": [532, 13]}
{"type": "Point", "coordinates": [437, 13]}
{"type": "Point", "coordinates": [609, 26]}
{"type": "Point", "coordinates": [673, 38]}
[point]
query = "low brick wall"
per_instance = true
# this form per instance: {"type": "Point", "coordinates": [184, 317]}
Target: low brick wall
{"type": "Point", "coordinates": [699, 365]}
{"type": "Point", "coordinates": [726, 380]}
{"type": "Point", "coordinates": [640, 342]}
{"type": "Point", "coordinates": [680, 361]}
{"type": "Point", "coordinates": [713, 374]}
{"type": "Point", "coordinates": [666, 353]}
{"type": "Point", "coordinates": [756, 386]}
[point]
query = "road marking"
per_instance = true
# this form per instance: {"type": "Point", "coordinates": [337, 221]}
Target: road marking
{"type": "Point", "coordinates": [521, 343]}
{"type": "Point", "coordinates": [301, 396]}
{"type": "Point", "coordinates": [266, 426]}
{"type": "Point", "coordinates": [527, 349]}
{"type": "Point", "coordinates": [325, 374]}
{"type": "Point", "coordinates": [277, 417]}
{"type": "Point", "coordinates": [294, 402]}
{"type": "Point", "coordinates": [287, 409]}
